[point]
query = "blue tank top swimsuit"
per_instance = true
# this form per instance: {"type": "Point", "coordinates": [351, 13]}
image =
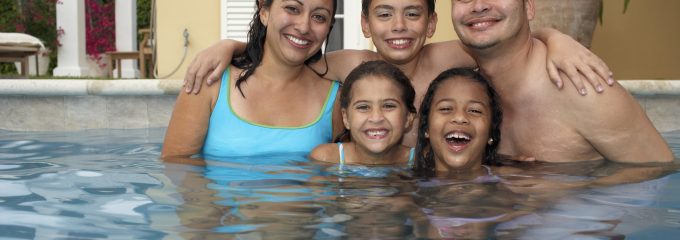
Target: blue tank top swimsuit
{"type": "Point", "coordinates": [231, 136]}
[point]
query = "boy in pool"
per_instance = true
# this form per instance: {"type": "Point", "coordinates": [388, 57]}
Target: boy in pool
{"type": "Point", "coordinates": [376, 102]}
{"type": "Point", "coordinates": [399, 30]}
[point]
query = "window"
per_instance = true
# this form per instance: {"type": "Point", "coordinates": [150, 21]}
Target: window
{"type": "Point", "coordinates": [237, 14]}
{"type": "Point", "coordinates": [235, 18]}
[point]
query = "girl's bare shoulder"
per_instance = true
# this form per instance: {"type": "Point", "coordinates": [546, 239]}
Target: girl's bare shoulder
{"type": "Point", "coordinates": [327, 152]}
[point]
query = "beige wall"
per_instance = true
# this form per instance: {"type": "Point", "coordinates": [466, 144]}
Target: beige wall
{"type": "Point", "coordinates": [643, 43]}
{"type": "Point", "coordinates": [444, 27]}
{"type": "Point", "coordinates": [200, 18]}
{"type": "Point", "coordinates": [202, 21]}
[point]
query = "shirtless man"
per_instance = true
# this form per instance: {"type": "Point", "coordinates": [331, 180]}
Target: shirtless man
{"type": "Point", "coordinates": [399, 30]}
{"type": "Point", "coordinates": [538, 119]}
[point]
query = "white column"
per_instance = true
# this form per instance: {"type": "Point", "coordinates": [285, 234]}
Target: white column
{"type": "Point", "coordinates": [126, 35]}
{"type": "Point", "coordinates": [353, 38]}
{"type": "Point", "coordinates": [71, 57]}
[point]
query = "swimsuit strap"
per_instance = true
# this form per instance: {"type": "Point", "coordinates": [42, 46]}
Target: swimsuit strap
{"type": "Point", "coordinates": [411, 155]}
{"type": "Point", "coordinates": [341, 153]}
{"type": "Point", "coordinates": [488, 170]}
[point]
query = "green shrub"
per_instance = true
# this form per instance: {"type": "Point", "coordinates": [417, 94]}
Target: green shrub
{"type": "Point", "coordinates": [34, 17]}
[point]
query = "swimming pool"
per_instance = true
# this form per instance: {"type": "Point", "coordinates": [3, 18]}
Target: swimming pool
{"type": "Point", "coordinates": [110, 184]}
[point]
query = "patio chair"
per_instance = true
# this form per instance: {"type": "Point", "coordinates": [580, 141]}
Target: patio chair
{"type": "Point", "coordinates": [143, 56]}
{"type": "Point", "coordinates": [17, 47]}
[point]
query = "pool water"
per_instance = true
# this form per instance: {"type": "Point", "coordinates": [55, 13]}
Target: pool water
{"type": "Point", "coordinates": [110, 184]}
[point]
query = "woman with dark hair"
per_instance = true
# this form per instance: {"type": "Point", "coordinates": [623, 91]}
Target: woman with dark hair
{"type": "Point", "coordinates": [460, 124]}
{"type": "Point", "coordinates": [399, 31]}
{"type": "Point", "coordinates": [270, 101]}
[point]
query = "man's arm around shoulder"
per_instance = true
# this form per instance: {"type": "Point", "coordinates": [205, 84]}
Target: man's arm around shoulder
{"type": "Point", "coordinates": [341, 62]}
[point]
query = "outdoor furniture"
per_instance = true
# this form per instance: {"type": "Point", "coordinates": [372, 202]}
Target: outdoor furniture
{"type": "Point", "coordinates": [142, 56]}
{"type": "Point", "coordinates": [115, 59]}
{"type": "Point", "coordinates": [17, 47]}
{"type": "Point", "coordinates": [145, 53]}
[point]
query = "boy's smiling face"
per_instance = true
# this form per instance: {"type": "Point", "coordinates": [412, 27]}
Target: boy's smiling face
{"type": "Point", "coordinates": [398, 28]}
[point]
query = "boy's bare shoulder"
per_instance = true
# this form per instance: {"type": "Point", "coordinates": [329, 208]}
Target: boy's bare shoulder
{"type": "Point", "coordinates": [341, 62]}
{"type": "Point", "coordinates": [352, 54]}
{"type": "Point", "coordinates": [450, 53]}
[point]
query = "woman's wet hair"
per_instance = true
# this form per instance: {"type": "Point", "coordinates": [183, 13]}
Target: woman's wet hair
{"type": "Point", "coordinates": [377, 68]}
{"type": "Point", "coordinates": [425, 163]}
{"type": "Point", "coordinates": [365, 4]}
{"type": "Point", "coordinates": [252, 56]}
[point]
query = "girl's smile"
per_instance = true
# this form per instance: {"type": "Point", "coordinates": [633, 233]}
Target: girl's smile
{"type": "Point", "coordinates": [459, 123]}
{"type": "Point", "coordinates": [377, 119]}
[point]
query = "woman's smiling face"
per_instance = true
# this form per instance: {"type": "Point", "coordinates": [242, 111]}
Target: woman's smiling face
{"type": "Point", "coordinates": [296, 29]}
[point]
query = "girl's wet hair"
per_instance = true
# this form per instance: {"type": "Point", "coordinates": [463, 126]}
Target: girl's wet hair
{"type": "Point", "coordinates": [377, 68]}
{"type": "Point", "coordinates": [365, 4]}
{"type": "Point", "coordinates": [425, 164]}
{"type": "Point", "coordinates": [252, 56]}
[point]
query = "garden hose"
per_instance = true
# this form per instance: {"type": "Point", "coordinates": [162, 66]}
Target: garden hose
{"type": "Point", "coordinates": [185, 34]}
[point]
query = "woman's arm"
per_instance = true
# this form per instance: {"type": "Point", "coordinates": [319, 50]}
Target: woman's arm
{"type": "Point", "coordinates": [189, 124]}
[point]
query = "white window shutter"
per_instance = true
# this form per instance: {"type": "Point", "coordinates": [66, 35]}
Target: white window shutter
{"type": "Point", "coordinates": [235, 18]}
{"type": "Point", "coordinates": [353, 38]}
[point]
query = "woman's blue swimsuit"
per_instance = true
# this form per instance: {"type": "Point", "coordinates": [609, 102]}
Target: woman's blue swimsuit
{"type": "Point", "coordinates": [232, 136]}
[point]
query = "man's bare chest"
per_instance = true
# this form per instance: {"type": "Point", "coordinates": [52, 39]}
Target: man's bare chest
{"type": "Point", "coordinates": [543, 133]}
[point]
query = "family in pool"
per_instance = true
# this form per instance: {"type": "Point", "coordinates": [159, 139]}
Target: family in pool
{"type": "Point", "coordinates": [280, 94]}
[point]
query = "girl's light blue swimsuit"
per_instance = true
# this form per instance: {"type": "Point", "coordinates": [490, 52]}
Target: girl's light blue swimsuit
{"type": "Point", "coordinates": [369, 171]}
{"type": "Point", "coordinates": [231, 136]}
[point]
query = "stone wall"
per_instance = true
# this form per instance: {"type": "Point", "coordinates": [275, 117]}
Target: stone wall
{"type": "Point", "coordinates": [65, 105]}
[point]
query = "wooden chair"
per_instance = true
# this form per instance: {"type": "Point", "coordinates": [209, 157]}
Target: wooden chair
{"type": "Point", "coordinates": [146, 53]}
{"type": "Point", "coordinates": [143, 56]}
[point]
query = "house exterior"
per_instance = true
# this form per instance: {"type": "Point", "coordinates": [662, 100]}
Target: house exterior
{"type": "Point", "coordinates": [640, 44]}
{"type": "Point", "coordinates": [72, 59]}
{"type": "Point", "coordinates": [652, 54]}
{"type": "Point", "coordinates": [211, 21]}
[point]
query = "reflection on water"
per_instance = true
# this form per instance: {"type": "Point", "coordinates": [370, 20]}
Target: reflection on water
{"type": "Point", "coordinates": [77, 185]}
{"type": "Point", "coordinates": [110, 184]}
